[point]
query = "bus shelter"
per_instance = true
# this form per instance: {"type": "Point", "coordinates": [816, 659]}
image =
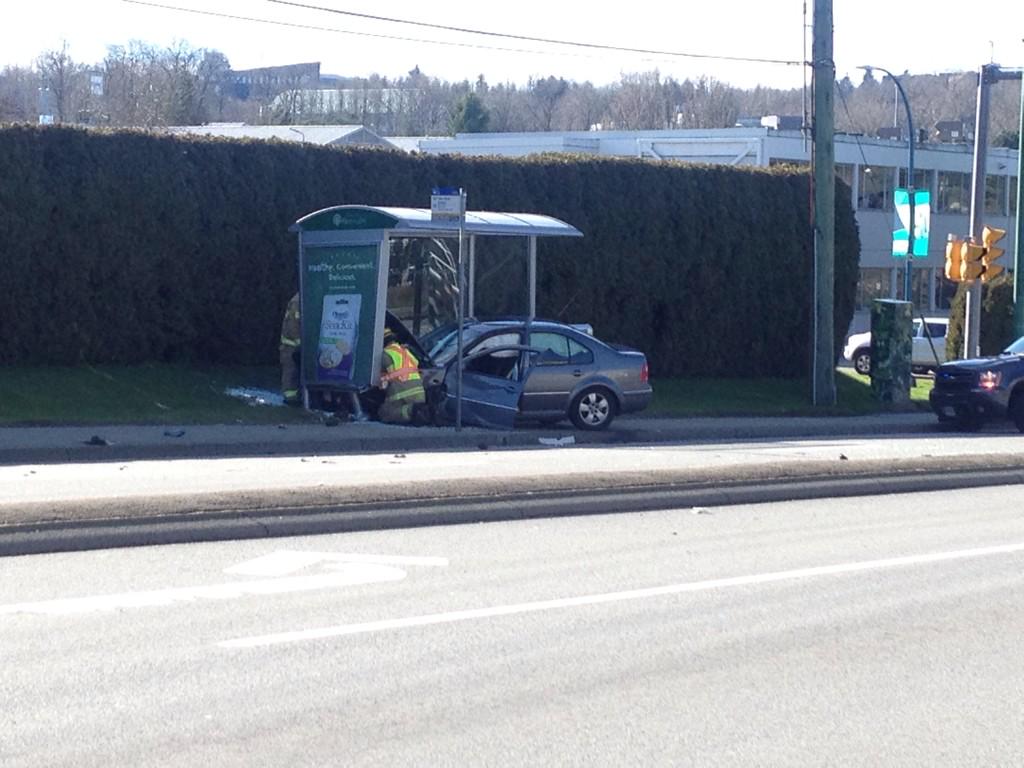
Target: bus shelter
{"type": "Point", "coordinates": [344, 257]}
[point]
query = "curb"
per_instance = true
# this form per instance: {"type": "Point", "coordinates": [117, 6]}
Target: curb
{"type": "Point", "coordinates": [239, 516]}
{"type": "Point", "coordinates": [71, 445]}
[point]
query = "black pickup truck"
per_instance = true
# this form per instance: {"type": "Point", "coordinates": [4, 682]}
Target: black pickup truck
{"type": "Point", "coordinates": [970, 392]}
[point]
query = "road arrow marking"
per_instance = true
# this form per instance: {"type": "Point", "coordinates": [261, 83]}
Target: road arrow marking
{"type": "Point", "coordinates": [344, 570]}
{"type": "Point", "coordinates": [345, 576]}
{"type": "Point", "coordinates": [470, 614]}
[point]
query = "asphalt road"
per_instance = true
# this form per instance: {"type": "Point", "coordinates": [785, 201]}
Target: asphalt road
{"type": "Point", "coordinates": [870, 631]}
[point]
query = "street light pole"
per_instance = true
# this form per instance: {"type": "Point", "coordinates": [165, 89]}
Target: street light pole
{"type": "Point", "coordinates": [908, 282]}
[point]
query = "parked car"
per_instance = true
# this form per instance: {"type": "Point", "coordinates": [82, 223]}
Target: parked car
{"type": "Point", "coordinates": [926, 355]}
{"type": "Point", "coordinates": [970, 392]}
{"type": "Point", "coordinates": [539, 371]}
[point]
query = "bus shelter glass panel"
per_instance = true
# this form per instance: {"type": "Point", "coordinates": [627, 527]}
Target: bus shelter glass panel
{"type": "Point", "coordinates": [423, 282]}
{"type": "Point", "coordinates": [501, 280]}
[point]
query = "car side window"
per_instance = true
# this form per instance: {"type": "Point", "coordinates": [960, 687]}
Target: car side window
{"type": "Point", "coordinates": [554, 345]}
{"type": "Point", "coordinates": [578, 354]}
{"type": "Point", "coordinates": [502, 364]}
{"type": "Point", "coordinates": [499, 340]}
{"type": "Point", "coordinates": [937, 330]}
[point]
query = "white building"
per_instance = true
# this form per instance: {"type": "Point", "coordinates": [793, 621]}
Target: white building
{"type": "Point", "coordinates": [324, 135]}
{"type": "Point", "coordinates": [872, 167]}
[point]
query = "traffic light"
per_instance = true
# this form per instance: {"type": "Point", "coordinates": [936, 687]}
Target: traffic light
{"type": "Point", "coordinates": [989, 237]}
{"type": "Point", "coordinates": [971, 267]}
{"type": "Point", "coordinates": [953, 246]}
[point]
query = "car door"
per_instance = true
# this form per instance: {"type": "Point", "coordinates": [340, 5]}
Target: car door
{"type": "Point", "coordinates": [555, 373]}
{"type": "Point", "coordinates": [491, 386]}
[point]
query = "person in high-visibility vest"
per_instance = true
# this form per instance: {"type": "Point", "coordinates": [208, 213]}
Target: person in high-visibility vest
{"type": "Point", "coordinates": [291, 337]}
{"type": "Point", "coordinates": [400, 377]}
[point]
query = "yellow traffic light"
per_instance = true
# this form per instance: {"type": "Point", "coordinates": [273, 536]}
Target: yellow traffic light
{"type": "Point", "coordinates": [989, 237]}
{"type": "Point", "coordinates": [971, 267]}
{"type": "Point", "coordinates": [953, 246]}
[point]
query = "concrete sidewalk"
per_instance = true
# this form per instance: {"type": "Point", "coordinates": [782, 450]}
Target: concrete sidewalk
{"type": "Point", "coordinates": [47, 445]}
{"type": "Point", "coordinates": [85, 487]}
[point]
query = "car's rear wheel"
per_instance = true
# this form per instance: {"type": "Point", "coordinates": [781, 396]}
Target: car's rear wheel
{"type": "Point", "coordinates": [1017, 409]}
{"type": "Point", "coordinates": [862, 361]}
{"type": "Point", "coordinates": [592, 409]}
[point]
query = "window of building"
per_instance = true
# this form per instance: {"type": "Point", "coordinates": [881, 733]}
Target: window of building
{"type": "Point", "coordinates": [875, 188]}
{"type": "Point", "coordinates": [995, 195]}
{"type": "Point", "coordinates": [921, 282]}
{"type": "Point", "coordinates": [920, 288]}
{"type": "Point", "coordinates": [874, 283]}
{"type": "Point", "coordinates": [922, 179]}
{"type": "Point", "coordinates": [954, 192]}
{"type": "Point", "coordinates": [844, 171]}
{"type": "Point", "coordinates": [1013, 195]}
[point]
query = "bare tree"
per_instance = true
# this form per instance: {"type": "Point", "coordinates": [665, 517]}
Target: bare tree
{"type": "Point", "coordinates": [639, 103]}
{"type": "Point", "coordinates": [584, 107]}
{"type": "Point", "coordinates": [64, 80]}
{"type": "Point", "coordinates": [544, 96]}
{"type": "Point", "coordinates": [506, 105]}
{"type": "Point", "coordinates": [19, 89]}
{"type": "Point", "coordinates": [131, 92]}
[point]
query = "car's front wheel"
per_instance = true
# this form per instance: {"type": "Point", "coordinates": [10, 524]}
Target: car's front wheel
{"type": "Point", "coordinates": [862, 361]}
{"type": "Point", "coordinates": [967, 420]}
{"type": "Point", "coordinates": [592, 409]}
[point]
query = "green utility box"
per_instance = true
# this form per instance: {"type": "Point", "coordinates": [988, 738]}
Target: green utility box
{"type": "Point", "coordinates": [892, 324]}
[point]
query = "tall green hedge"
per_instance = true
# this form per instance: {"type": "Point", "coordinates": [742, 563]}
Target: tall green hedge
{"type": "Point", "coordinates": [996, 330]}
{"type": "Point", "coordinates": [132, 247]}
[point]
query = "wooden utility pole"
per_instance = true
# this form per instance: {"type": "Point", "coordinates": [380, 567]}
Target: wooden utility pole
{"type": "Point", "coordinates": [972, 312]}
{"type": "Point", "coordinates": [1018, 247]}
{"type": "Point", "coordinates": [988, 74]}
{"type": "Point", "coordinates": [823, 374]}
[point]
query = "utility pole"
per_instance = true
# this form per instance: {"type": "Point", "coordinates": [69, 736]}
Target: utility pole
{"type": "Point", "coordinates": [988, 74]}
{"type": "Point", "coordinates": [1018, 248]}
{"type": "Point", "coordinates": [972, 313]}
{"type": "Point", "coordinates": [823, 381]}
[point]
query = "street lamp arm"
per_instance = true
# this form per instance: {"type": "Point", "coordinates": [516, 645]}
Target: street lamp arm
{"type": "Point", "coordinates": [908, 282]}
{"type": "Point", "coordinates": [910, 119]}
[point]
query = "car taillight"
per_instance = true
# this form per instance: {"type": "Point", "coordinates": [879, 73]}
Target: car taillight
{"type": "Point", "coordinates": [644, 373]}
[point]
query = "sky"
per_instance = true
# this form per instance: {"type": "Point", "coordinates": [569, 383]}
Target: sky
{"type": "Point", "coordinates": [918, 37]}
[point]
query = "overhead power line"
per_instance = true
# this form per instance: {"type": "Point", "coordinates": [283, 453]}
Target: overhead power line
{"type": "Point", "coordinates": [549, 41]}
{"type": "Point", "coordinates": [320, 28]}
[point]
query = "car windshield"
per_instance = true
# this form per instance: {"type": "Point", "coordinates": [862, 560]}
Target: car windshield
{"type": "Point", "coordinates": [1017, 348]}
{"type": "Point", "coordinates": [444, 348]}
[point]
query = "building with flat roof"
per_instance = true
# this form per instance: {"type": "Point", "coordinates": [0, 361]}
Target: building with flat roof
{"type": "Point", "coordinates": [324, 135]}
{"type": "Point", "coordinates": [873, 167]}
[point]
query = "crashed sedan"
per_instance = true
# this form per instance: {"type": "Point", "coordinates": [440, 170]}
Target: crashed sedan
{"type": "Point", "coordinates": [517, 370]}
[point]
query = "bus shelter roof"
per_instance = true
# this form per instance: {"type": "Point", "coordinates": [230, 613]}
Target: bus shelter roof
{"type": "Point", "coordinates": [419, 221]}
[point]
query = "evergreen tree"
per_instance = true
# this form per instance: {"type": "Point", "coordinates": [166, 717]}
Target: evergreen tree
{"type": "Point", "coordinates": [470, 115]}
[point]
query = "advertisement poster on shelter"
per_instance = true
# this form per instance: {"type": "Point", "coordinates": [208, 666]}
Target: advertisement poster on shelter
{"type": "Point", "coordinates": [339, 293]}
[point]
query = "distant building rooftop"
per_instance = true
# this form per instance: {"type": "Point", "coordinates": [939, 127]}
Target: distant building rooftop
{"type": "Point", "coordinates": [324, 135]}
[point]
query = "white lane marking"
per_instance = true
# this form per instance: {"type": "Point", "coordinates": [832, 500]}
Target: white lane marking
{"type": "Point", "coordinates": [343, 576]}
{"type": "Point", "coordinates": [285, 561]}
{"type": "Point", "coordinates": [611, 597]}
